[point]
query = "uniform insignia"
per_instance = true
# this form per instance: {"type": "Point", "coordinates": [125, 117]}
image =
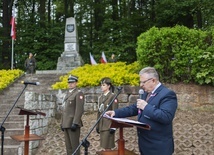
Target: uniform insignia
{"type": "Point", "coordinates": [81, 97]}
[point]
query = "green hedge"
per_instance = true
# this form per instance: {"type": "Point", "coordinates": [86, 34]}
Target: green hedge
{"type": "Point", "coordinates": [9, 76]}
{"type": "Point", "coordinates": [179, 54]}
{"type": "Point", "coordinates": [90, 75]}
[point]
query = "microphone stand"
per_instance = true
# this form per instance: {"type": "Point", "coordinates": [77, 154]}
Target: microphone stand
{"type": "Point", "coordinates": [85, 143]}
{"type": "Point", "coordinates": [2, 129]}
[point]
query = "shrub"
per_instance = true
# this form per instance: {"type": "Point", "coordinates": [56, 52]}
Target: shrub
{"type": "Point", "coordinates": [8, 76]}
{"type": "Point", "coordinates": [90, 75]}
{"type": "Point", "coordinates": [179, 54]}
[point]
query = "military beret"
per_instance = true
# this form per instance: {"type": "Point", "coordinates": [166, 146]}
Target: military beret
{"type": "Point", "coordinates": [72, 78]}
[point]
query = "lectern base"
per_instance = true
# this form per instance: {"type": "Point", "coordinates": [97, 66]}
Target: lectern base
{"type": "Point", "coordinates": [115, 152]}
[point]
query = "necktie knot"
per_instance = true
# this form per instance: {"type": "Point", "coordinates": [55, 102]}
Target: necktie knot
{"type": "Point", "coordinates": [148, 96]}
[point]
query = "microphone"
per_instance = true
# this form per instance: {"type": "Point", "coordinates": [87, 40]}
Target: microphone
{"type": "Point", "coordinates": [31, 83]}
{"type": "Point", "coordinates": [141, 92]}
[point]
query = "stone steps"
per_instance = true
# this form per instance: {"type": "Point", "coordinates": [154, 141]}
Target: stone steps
{"type": "Point", "coordinates": [10, 141]}
{"type": "Point", "coordinates": [12, 118]}
{"type": "Point", "coordinates": [14, 124]}
{"type": "Point", "coordinates": [7, 104]}
{"type": "Point", "coordinates": [14, 131]}
{"type": "Point", "coordinates": [9, 101]}
{"type": "Point", "coordinates": [10, 149]}
{"type": "Point", "coordinates": [5, 111]}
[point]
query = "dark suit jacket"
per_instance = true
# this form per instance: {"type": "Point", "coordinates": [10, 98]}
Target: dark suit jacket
{"type": "Point", "coordinates": [159, 114]}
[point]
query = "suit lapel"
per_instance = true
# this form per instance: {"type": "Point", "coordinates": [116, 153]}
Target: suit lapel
{"type": "Point", "coordinates": [155, 93]}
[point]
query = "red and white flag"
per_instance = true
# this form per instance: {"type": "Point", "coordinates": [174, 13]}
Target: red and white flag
{"type": "Point", "coordinates": [103, 58]}
{"type": "Point", "coordinates": [93, 62]}
{"type": "Point", "coordinates": [13, 25]}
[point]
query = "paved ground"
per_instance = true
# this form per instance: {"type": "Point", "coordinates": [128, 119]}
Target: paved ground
{"type": "Point", "coordinates": [54, 140]}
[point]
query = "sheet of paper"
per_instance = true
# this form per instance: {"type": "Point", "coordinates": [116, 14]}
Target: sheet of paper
{"type": "Point", "coordinates": [126, 120]}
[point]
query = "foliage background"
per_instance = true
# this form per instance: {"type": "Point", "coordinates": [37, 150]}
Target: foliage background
{"type": "Point", "coordinates": [110, 26]}
{"type": "Point", "coordinates": [178, 53]}
{"type": "Point", "coordinates": [118, 27]}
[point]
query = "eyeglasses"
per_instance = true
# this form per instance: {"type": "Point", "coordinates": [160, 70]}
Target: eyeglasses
{"type": "Point", "coordinates": [143, 82]}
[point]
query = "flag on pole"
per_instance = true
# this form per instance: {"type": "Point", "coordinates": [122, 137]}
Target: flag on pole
{"type": "Point", "coordinates": [93, 62]}
{"type": "Point", "coordinates": [103, 58]}
{"type": "Point", "coordinates": [13, 24]}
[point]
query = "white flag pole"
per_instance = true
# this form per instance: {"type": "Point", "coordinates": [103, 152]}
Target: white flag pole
{"type": "Point", "coordinates": [13, 33]}
{"type": "Point", "coordinates": [12, 54]}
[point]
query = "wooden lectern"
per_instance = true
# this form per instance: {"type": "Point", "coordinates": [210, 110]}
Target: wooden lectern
{"type": "Point", "coordinates": [121, 142]}
{"type": "Point", "coordinates": [27, 136]}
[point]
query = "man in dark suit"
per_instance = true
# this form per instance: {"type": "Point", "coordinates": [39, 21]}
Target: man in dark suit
{"type": "Point", "coordinates": [71, 116]}
{"type": "Point", "coordinates": [156, 108]}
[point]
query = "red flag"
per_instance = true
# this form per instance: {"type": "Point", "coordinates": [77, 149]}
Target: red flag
{"type": "Point", "coordinates": [103, 58]}
{"type": "Point", "coordinates": [13, 25]}
{"type": "Point", "coordinates": [93, 62]}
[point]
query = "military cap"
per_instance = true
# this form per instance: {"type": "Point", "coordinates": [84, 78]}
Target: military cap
{"type": "Point", "coordinates": [72, 78]}
{"type": "Point", "coordinates": [106, 80]}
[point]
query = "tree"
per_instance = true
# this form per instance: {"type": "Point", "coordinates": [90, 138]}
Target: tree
{"type": "Point", "coordinates": [111, 26]}
{"type": "Point", "coordinates": [6, 44]}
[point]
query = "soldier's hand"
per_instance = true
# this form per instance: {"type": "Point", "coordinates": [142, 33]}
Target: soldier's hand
{"type": "Point", "coordinates": [74, 127]}
{"type": "Point", "coordinates": [97, 130]}
{"type": "Point", "coordinates": [61, 128]}
{"type": "Point", "coordinates": [112, 131]}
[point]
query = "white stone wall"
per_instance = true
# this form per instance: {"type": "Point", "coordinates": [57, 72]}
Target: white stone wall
{"type": "Point", "coordinates": [39, 123]}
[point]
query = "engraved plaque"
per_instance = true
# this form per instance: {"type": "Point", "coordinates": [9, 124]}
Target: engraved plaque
{"type": "Point", "coordinates": [70, 46]}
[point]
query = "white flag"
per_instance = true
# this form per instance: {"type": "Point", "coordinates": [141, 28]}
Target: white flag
{"type": "Point", "coordinates": [93, 62]}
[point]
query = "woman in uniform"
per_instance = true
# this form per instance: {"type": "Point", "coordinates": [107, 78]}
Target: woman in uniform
{"type": "Point", "coordinates": [107, 134]}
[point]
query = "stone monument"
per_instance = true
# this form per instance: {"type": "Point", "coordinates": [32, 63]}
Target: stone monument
{"type": "Point", "coordinates": [70, 58]}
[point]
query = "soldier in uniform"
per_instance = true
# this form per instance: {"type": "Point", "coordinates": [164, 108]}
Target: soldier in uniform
{"type": "Point", "coordinates": [30, 64]}
{"type": "Point", "coordinates": [71, 116]}
{"type": "Point", "coordinates": [107, 134]}
{"type": "Point", "coordinates": [113, 58]}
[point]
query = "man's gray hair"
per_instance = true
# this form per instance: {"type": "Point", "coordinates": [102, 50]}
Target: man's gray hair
{"type": "Point", "coordinates": [151, 71]}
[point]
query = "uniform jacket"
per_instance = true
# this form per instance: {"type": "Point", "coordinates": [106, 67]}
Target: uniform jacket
{"type": "Point", "coordinates": [30, 62]}
{"type": "Point", "coordinates": [104, 124]}
{"type": "Point", "coordinates": [159, 114]}
{"type": "Point", "coordinates": [74, 108]}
